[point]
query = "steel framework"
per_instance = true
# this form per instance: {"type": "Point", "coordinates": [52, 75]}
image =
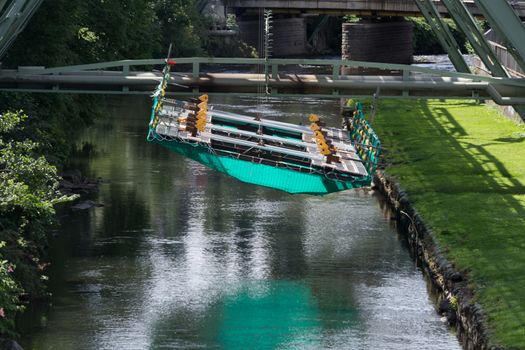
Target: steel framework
{"type": "Point", "coordinates": [468, 25]}
{"type": "Point", "coordinates": [14, 16]}
{"type": "Point", "coordinates": [504, 20]}
{"type": "Point", "coordinates": [399, 81]}
{"type": "Point", "coordinates": [443, 33]}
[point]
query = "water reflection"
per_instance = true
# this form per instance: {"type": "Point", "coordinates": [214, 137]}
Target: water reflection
{"type": "Point", "coordinates": [183, 257]}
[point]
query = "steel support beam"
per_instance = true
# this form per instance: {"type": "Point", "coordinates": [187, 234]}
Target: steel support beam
{"type": "Point", "coordinates": [466, 22]}
{"type": "Point", "coordinates": [411, 81]}
{"type": "Point", "coordinates": [504, 20]}
{"type": "Point", "coordinates": [507, 25]}
{"type": "Point", "coordinates": [2, 3]}
{"type": "Point", "coordinates": [443, 33]}
{"type": "Point", "coordinates": [14, 19]}
{"type": "Point", "coordinates": [186, 65]}
{"type": "Point", "coordinates": [502, 91]}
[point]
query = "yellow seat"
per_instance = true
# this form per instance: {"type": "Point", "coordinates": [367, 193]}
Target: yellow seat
{"type": "Point", "coordinates": [319, 134]}
{"type": "Point", "coordinates": [203, 105]}
{"type": "Point", "coordinates": [201, 114]}
{"type": "Point", "coordinates": [201, 126]}
{"type": "Point", "coordinates": [315, 127]}
{"type": "Point", "coordinates": [313, 118]}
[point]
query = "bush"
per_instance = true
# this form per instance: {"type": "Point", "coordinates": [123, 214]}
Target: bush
{"type": "Point", "coordinates": [28, 193]}
{"type": "Point", "coordinates": [9, 295]}
{"type": "Point", "coordinates": [426, 42]}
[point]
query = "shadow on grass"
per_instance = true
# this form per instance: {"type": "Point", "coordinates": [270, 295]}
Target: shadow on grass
{"type": "Point", "coordinates": [466, 192]}
{"type": "Point", "coordinates": [475, 156]}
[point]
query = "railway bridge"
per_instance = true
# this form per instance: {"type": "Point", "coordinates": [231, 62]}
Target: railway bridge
{"type": "Point", "coordinates": [380, 8]}
{"type": "Point", "coordinates": [381, 35]}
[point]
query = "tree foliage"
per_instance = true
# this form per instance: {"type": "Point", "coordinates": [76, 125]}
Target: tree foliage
{"type": "Point", "coordinates": [426, 42]}
{"type": "Point", "coordinates": [9, 294]}
{"type": "Point", "coordinates": [181, 24]}
{"type": "Point", "coordinates": [65, 32]}
{"type": "Point", "coordinates": [28, 193]}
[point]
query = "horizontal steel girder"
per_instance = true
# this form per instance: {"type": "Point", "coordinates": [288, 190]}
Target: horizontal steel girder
{"type": "Point", "coordinates": [285, 84]}
{"type": "Point", "coordinates": [400, 81]}
{"type": "Point", "coordinates": [359, 7]}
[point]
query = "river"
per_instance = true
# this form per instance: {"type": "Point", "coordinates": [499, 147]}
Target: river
{"type": "Point", "coordinates": [180, 257]}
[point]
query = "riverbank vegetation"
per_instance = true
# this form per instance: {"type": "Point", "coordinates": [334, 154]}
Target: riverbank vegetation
{"type": "Point", "coordinates": [28, 193]}
{"type": "Point", "coordinates": [33, 143]}
{"type": "Point", "coordinates": [97, 31]}
{"type": "Point", "coordinates": [462, 165]}
{"type": "Point", "coordinates": [426, 42]}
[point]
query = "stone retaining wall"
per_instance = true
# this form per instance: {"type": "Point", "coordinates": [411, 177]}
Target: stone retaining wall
{"type": "Point", "coordinates": [454, 298]}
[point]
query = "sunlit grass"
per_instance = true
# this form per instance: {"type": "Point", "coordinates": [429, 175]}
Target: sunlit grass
{"type": "Point", "coordinates": [463, 166]}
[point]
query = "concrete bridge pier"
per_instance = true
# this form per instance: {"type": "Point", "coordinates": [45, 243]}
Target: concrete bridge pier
{"type": "Point", "coordinates": [289, 35]}
{"type": "Point", "coordinates": [378, 40]}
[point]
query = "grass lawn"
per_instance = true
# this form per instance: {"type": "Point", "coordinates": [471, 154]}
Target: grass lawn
{"type": "Point", "coordinates": [463, 166]}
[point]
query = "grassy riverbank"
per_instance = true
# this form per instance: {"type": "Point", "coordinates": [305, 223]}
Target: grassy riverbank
{"type": "Point", "coordinates": [463, 166]}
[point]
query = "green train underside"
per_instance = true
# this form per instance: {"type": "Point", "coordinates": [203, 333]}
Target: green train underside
{"type": "Point", "coordinates": [267, 153]}
{"type": "Point", "coordinates": [283, 179]}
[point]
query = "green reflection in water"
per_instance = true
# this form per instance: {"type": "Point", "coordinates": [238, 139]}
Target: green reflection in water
{"type": "Point", "coordinates": [268, 316]}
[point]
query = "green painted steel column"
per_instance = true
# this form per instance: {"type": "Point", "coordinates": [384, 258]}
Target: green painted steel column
{"type": "Point", "coordinates": [445, 37]}
{"type": "Point", "coordinates": [14, 19]}
{"type": "Point", "coordinates": [2, 3]}
{"type": "Point", "coordinates": [507, 25]}
{"type": "Point", "coordinates": [464, 20]}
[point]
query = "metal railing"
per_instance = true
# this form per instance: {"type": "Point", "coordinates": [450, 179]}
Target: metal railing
{"type": "Point", "coordinates": [196, 71]}
{"type": "Point", "coordinates": [195, 67]}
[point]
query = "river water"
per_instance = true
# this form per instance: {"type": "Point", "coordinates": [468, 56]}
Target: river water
{"type": "Point", "coordinates": [180, 257]}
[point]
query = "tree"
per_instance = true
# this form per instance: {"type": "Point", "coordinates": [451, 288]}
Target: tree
{"type": "Point", "coordinates": [182, 25]}
{"type": "Point", "coordinates": [28, 193]}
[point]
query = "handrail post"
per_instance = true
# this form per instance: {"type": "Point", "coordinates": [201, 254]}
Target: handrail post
{"type": "Point", "coordinates": [275, 76]}
{"type": "Point", "coordinates": [336, 71]}
{"type": "Point", "coordinates": [196, 73]}
{"type": "Point", "coordinates": [196, 69]}
{"type": "Point", "coordinates": [275, 70]}
{"type": "Point", "coordinates": [125, 72]}
{"type": "Point", "coordinates": [406, 77]}
{"type": "Point", "coordinates": [55, 87]}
